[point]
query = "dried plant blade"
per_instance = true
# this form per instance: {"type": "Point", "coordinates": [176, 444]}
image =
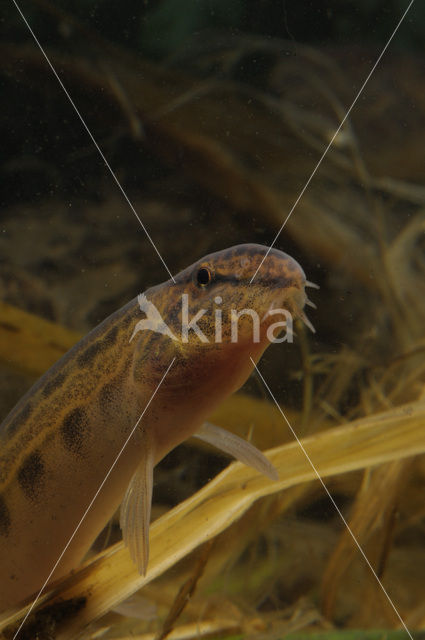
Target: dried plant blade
{"type": "Point", "coordinates": [111, 577]}
{"type": "Point", "coordinates": [373, 507]}
{"type": "Point", "coordinates": [30, 343]}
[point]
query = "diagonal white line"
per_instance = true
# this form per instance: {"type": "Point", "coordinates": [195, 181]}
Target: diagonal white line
{"type": "Point", "coordinates": [333, 502]}
{"type": "Point", "coordinates": [333, 138]}
{"type": "Point", "coordinates": [93, 499]}
{"type": "Point", "coordinates": [83, 122]}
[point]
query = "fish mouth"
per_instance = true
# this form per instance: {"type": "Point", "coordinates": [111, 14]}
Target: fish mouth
{"type": "Point", "coordinates": [294, 300]}
{"type": "Point", "coordinates": [306, 302]}
{"type": "Point", "coordinates": [284, 284]}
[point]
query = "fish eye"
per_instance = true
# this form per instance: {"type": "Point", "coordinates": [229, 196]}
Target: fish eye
{"type": "Point", "coordinates": [203, 277]}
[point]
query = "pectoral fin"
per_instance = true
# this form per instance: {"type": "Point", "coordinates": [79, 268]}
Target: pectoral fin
{"type": "Point", "coordinates": [236, 447]}
{"type": "Point", "coordinates": [136, 512]}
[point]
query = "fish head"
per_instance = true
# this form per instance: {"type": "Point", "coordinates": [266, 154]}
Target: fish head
{"type": "Point", "coordinates": [225, 309]}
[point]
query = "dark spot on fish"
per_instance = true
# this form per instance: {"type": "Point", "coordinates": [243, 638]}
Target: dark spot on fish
{"type": "Point", "coordinates": [4, 518]}
{"type": "Point", "coordinates": [128, 320]}
{"type": "Point", "coordinates": [173, 317]}
{"type": "Point", "coordinates": [19, 420]}
{"type": "Point", "coordinates": [281, 282]}
{"type": "Point", "coordinates": [105, 394]}
{"type": "Point", "coordinates": [87, 357]}
{"type": "Point", "coordinates": [156, 340]}
{"type": "Point", "coordinates": [9, 327]}
{"type": "Point", "coordinates": [53, 384]}
{"type": "Point", "coordinates": [73, 429]}
{"type": "Point", "coordinates": [111, 337]}
{"type": "Point", "coordinates": [109, 394]}
{"type": "Point", "coordinates": [31, 474]}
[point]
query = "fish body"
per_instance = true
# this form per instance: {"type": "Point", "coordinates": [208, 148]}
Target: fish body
{"type": "Point", "coordinates": [60, 441]}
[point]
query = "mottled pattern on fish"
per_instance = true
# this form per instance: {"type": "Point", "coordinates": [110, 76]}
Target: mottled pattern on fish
{"type": "Point", "coordinates": [58, 443]}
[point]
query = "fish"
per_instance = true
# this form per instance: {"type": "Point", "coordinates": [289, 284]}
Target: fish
{"type": "Point", "coordinates": [205, 327]}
